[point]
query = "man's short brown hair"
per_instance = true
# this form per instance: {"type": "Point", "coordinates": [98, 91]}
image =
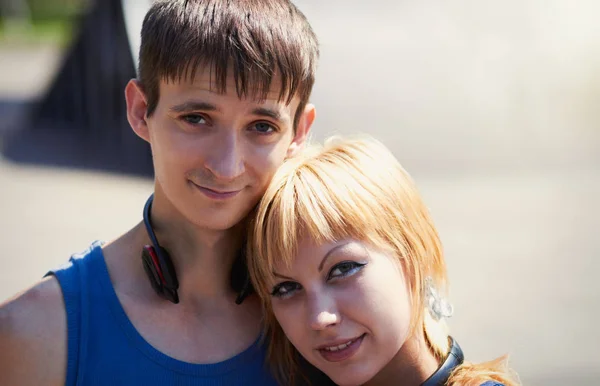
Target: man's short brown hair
{"type": "Point", "coordinates": [255, 39]}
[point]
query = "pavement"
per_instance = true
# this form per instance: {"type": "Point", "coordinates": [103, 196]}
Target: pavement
{"type": "Point", "coordinates": [492, 107]}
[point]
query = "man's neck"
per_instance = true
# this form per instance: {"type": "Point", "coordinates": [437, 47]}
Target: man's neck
{"type": "Point", "coordinates": [188, 331]}
{"type": "Point", "coordinates": [202, 257]}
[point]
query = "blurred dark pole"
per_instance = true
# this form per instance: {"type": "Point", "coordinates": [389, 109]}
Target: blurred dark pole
{"type": "Point", "coordinates": [81, 121]}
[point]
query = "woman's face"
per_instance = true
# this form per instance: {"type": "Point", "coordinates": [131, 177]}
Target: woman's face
{"type": "Point", "coordinates": [345, 306]}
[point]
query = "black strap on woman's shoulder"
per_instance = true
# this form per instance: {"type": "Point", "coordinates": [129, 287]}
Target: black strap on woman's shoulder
{"type": "Point", "coordinates": [454, 359]}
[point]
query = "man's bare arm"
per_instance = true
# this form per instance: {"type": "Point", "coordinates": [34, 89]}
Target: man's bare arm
{"type": "Point", "coordinates": [33, 337]}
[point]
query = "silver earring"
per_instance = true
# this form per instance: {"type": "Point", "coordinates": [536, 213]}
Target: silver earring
{"type": "Point", "coordinates": [438, 306]}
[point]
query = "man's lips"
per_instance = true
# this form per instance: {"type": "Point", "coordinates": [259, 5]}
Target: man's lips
{"type": "Point", "coordinates": [215, 193]}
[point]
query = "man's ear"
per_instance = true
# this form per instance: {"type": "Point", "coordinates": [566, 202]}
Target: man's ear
{"type": "Point", "coordinates": [136, 109]}
{"type": "Point", "coordinates": [302, 130]}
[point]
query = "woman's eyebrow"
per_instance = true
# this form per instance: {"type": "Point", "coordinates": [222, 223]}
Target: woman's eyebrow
{"type": "Point", "coordinates": [330, 253]}
{"type": "Point", "coordinates": [282, 276]}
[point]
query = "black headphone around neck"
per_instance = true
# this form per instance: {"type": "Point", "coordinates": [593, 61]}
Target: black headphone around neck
{"type": "Point", "coordinates": [161, 271]}
{"type": "Point", "coordinates": [454, 359]}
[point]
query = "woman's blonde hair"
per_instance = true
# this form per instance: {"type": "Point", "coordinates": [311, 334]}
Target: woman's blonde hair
{"type": "Point", "coordinates": [352, 188]}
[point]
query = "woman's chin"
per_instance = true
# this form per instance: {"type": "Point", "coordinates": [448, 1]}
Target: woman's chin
{"type": "Point", "coordinates": [349, 378]}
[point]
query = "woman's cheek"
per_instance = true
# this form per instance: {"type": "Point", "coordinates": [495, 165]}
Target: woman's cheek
{"type": "Point", "coordinates": [288, 316]}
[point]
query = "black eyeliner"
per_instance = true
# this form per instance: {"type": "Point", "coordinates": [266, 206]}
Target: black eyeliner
{"type": "Point", "coordinates": [355, 264]}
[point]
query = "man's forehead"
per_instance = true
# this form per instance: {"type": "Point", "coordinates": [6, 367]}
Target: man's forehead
{"type": "Point", "coordinates": [205, 80]}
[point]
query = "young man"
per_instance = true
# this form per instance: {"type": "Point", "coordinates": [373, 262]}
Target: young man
{"type": "Point", "coordinates": [222, 100]}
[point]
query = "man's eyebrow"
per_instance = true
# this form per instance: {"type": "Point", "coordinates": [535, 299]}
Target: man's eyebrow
{"type": "Point", "coordinates": [193, 106]}
{"type": "Point", "coordinates": [330, 253]}
{"type": "Point", "coordinates": [266, 112]}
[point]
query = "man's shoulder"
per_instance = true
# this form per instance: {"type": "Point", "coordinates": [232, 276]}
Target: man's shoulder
{"type": "Point", "coordinates": [38, 306]}
{"type": "Point", "coordinates": [33, 330]}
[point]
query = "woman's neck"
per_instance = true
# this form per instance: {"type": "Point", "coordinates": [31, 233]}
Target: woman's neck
{"type": "Point", "coordinates": [412, 365]}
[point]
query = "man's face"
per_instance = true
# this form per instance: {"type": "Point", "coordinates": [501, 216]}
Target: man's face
{"type": "Point", "coordinates": [214, 154]}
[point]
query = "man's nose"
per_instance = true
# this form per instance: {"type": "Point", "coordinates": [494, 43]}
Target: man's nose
{"type": "Point", "coordinates": [226, 159]}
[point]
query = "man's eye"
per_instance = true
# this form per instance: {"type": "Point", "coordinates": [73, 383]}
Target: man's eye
{"type": "Point", "coordinates": [263, 127]}
{"type": "Point", "coordinates": [285, 289]}
{"type": "Point", "coordinates": [194, 119]}
{"type": "Point", "coordinates": [347, 268]}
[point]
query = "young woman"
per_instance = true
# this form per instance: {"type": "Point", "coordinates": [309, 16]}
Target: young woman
{"type": "Point", "coordinates": [350, 268]}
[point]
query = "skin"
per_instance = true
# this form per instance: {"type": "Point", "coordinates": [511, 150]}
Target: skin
{"type": "Point", "coordinates": [200, 140]}
{"type": "Point", "coordinates": [349, 291]}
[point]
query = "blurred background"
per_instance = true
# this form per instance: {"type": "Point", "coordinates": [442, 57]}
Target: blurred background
{"type": "Point", "coordinates": [492, 106]}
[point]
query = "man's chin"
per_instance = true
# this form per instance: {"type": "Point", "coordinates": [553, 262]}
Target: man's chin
{"type": "Point", "coordinates": [219, 221]}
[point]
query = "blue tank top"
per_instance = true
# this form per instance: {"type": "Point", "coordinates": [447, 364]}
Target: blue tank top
{"type": "Point", "coordinates": [104, 348]}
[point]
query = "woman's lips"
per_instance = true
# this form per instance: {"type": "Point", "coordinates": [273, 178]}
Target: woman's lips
{"type": "Point", "coordinates": [343, 351]}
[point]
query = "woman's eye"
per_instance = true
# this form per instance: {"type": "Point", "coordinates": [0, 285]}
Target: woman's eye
{"type": "Point", "coordinates": [285, 289]}
{"type": "Point", "coordinates": [263, 127]}
{"type": "Point", "coordinates": [347, 268]}
{"type": "Point", "coordinates": [194, 119]}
